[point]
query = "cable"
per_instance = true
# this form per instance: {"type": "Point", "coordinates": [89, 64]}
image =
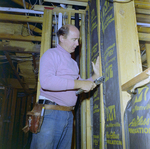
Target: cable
{"type": "Point", "coordinates": [120, 1]}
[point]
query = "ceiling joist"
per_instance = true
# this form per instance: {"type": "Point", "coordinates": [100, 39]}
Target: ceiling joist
{"type": "Point", "coordinates": [70, 2]}
{"type": "Point", "coordinates": [144, 37]}
{"type": "Point", "coordinates": [142, 4]}
{"type": "Point", "coordinates": [20, 18]}
{"type": "Point", "coordinates": [143, 18]}
{"type": "Point", "coordinates": [20, 37]}
{"type": "Point", "coordinates": [143, 11]}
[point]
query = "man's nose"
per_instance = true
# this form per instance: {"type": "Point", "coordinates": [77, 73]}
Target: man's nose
{"type": "Point", "coordinates": [77, 42]}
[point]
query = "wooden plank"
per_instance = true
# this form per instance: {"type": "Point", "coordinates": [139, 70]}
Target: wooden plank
{"type": "Point", "coordinates": [57, 9]}
{"type": "Point", "coordinates": [46, 39]}
{"type": "Point", "coordinates": [69, 17]}
{"type": "Point", "coordinates": [126, 39]}
{"type": "Point", "coordinates": [147, 45]}
{"type": "Point", "coordinates": [142, 11]}
{"type": "Point", "coordinates": [34, 28]}
{"type": "Point", "coordinates": [102, 117]}
{"type": "Point", "coordinates": [142, 4]}
{"type": "Point", "coordinates": [20, 37]}
{"type": "Point", "coordinates": [128, 85]}
{"type": "Point", "coordinates": [144, 37]}
{"type": "Point", "coordinates": [143, 29]}
{"type": "Point", "coordinates": [143, 18]}
{"type": "Point", "coordinates": [20, 18]}
{"type": "Point", "coordinates": [68, 2]}
{"type": "Point", "coordinates": [83, 75]}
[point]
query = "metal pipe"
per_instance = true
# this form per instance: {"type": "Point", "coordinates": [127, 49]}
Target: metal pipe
{"type": "Point", "coordinates": [7, 9]}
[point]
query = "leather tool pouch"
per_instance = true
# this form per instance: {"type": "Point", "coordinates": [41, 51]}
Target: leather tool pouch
{"type": "Point", "coordinates": [34, 119]}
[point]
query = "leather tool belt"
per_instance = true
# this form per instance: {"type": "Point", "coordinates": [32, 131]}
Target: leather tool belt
{"type": "Point", "coordinates": [34, 118]}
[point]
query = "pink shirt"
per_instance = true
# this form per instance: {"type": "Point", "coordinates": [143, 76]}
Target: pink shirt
{"type": "Point", "coordinates": [57, 74]}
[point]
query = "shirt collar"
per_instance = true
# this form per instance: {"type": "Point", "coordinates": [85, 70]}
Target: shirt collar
{"type": "Point", "coordinates": [63, 50]}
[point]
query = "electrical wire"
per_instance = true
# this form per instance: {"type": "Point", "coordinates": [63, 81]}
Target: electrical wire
{"type": "Point", "coordinates": [120, 1]}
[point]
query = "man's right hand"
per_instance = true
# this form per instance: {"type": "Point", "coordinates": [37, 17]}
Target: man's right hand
{"type": "Point", "coordinates": [84, 85]}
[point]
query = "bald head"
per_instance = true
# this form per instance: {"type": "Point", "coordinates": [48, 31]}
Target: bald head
{"type": "Point", "coordinates": [64, 30]}
{"type": "Point", "coordinates": [68, 36]}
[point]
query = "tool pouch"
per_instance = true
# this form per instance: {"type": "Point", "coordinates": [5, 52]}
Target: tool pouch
{"type": "Point", "coordinates": [34, 119]}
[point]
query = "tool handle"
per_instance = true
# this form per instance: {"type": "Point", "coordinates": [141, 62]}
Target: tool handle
{"type": "Point", "coordinates": [79, 91]}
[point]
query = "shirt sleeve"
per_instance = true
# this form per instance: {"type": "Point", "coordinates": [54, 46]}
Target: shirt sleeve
{"type": "Point", "coordinates": [49, 63]}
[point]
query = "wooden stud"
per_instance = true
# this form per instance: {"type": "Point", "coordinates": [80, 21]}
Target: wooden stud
{"type": "Point", "coordinates": [102, 118]}
{"type": "Point", "coordinates": [148, 54]}
{"type": "Point", "coordinates": [69, 17]}
{"type": "Point", "coordinates": [83, 75]}
{"type": "Point", "coordinates": [127, 42]}
{"type": "Point", "coordinates": [46, 39]}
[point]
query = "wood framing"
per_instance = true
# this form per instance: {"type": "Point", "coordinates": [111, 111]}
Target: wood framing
{"type": "Point", "coordinates": [147, 45]}
{"type": "Point", "coordinates": [70, 2]}
{"type": "Point", "coordinates": [46, 39]}
{"type": "Point", "coordinates": [136, 79]}
{"type": "Point", "coordinates": [83, 75]}
{"type": "Point", "coordinates": [20, 18]}
{"type": "Point", "coordinates": [127, 42]}
{"type": "Point", "coordinates": [20, 37]}
{"type": "Point", "coordinates": [102, 120]}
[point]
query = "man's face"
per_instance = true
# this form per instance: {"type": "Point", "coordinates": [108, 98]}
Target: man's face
{"type": "Point", "coordinates": [71, 41]}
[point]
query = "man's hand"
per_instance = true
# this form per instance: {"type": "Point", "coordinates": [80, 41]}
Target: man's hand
{"type": "Point", "coordinates": [96, 69]}
{"type": "Point", "coordinates": [84, 85]}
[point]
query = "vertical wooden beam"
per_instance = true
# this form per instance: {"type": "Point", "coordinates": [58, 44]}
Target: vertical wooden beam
{"type": "Point", "coordinates": [128, 52]}
{"type": "Point", "coordinates": [83, 75]}
{"type": "Point", "coordinates": [102, 120]}
{"type": "Point", "coordinates": [147, 45]}
{"type": "Point", "coordinates": [46, 39]}
{"type": "Point", "coordinates": [88, 106]}
{"type": "Point", "coordinates": [69, 17]}
{"type": "Point", "coordinates": [89, 122]}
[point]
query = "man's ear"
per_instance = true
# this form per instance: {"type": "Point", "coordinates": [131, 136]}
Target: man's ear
{"type": "Point", "coordinates": [61, 38]}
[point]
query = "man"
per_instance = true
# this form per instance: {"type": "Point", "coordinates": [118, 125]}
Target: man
{"type": "Point", "coordinates": [59, 79]}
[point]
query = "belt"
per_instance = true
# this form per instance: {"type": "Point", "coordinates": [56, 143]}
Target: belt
{"type": "Point", "coordinates": [49, 105]}
{"type": "Point", "coordinates": [44, 101]}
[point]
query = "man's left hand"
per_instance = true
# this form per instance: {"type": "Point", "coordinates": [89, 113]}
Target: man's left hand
{"type": "Point", "coordinates": [96, 69]}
